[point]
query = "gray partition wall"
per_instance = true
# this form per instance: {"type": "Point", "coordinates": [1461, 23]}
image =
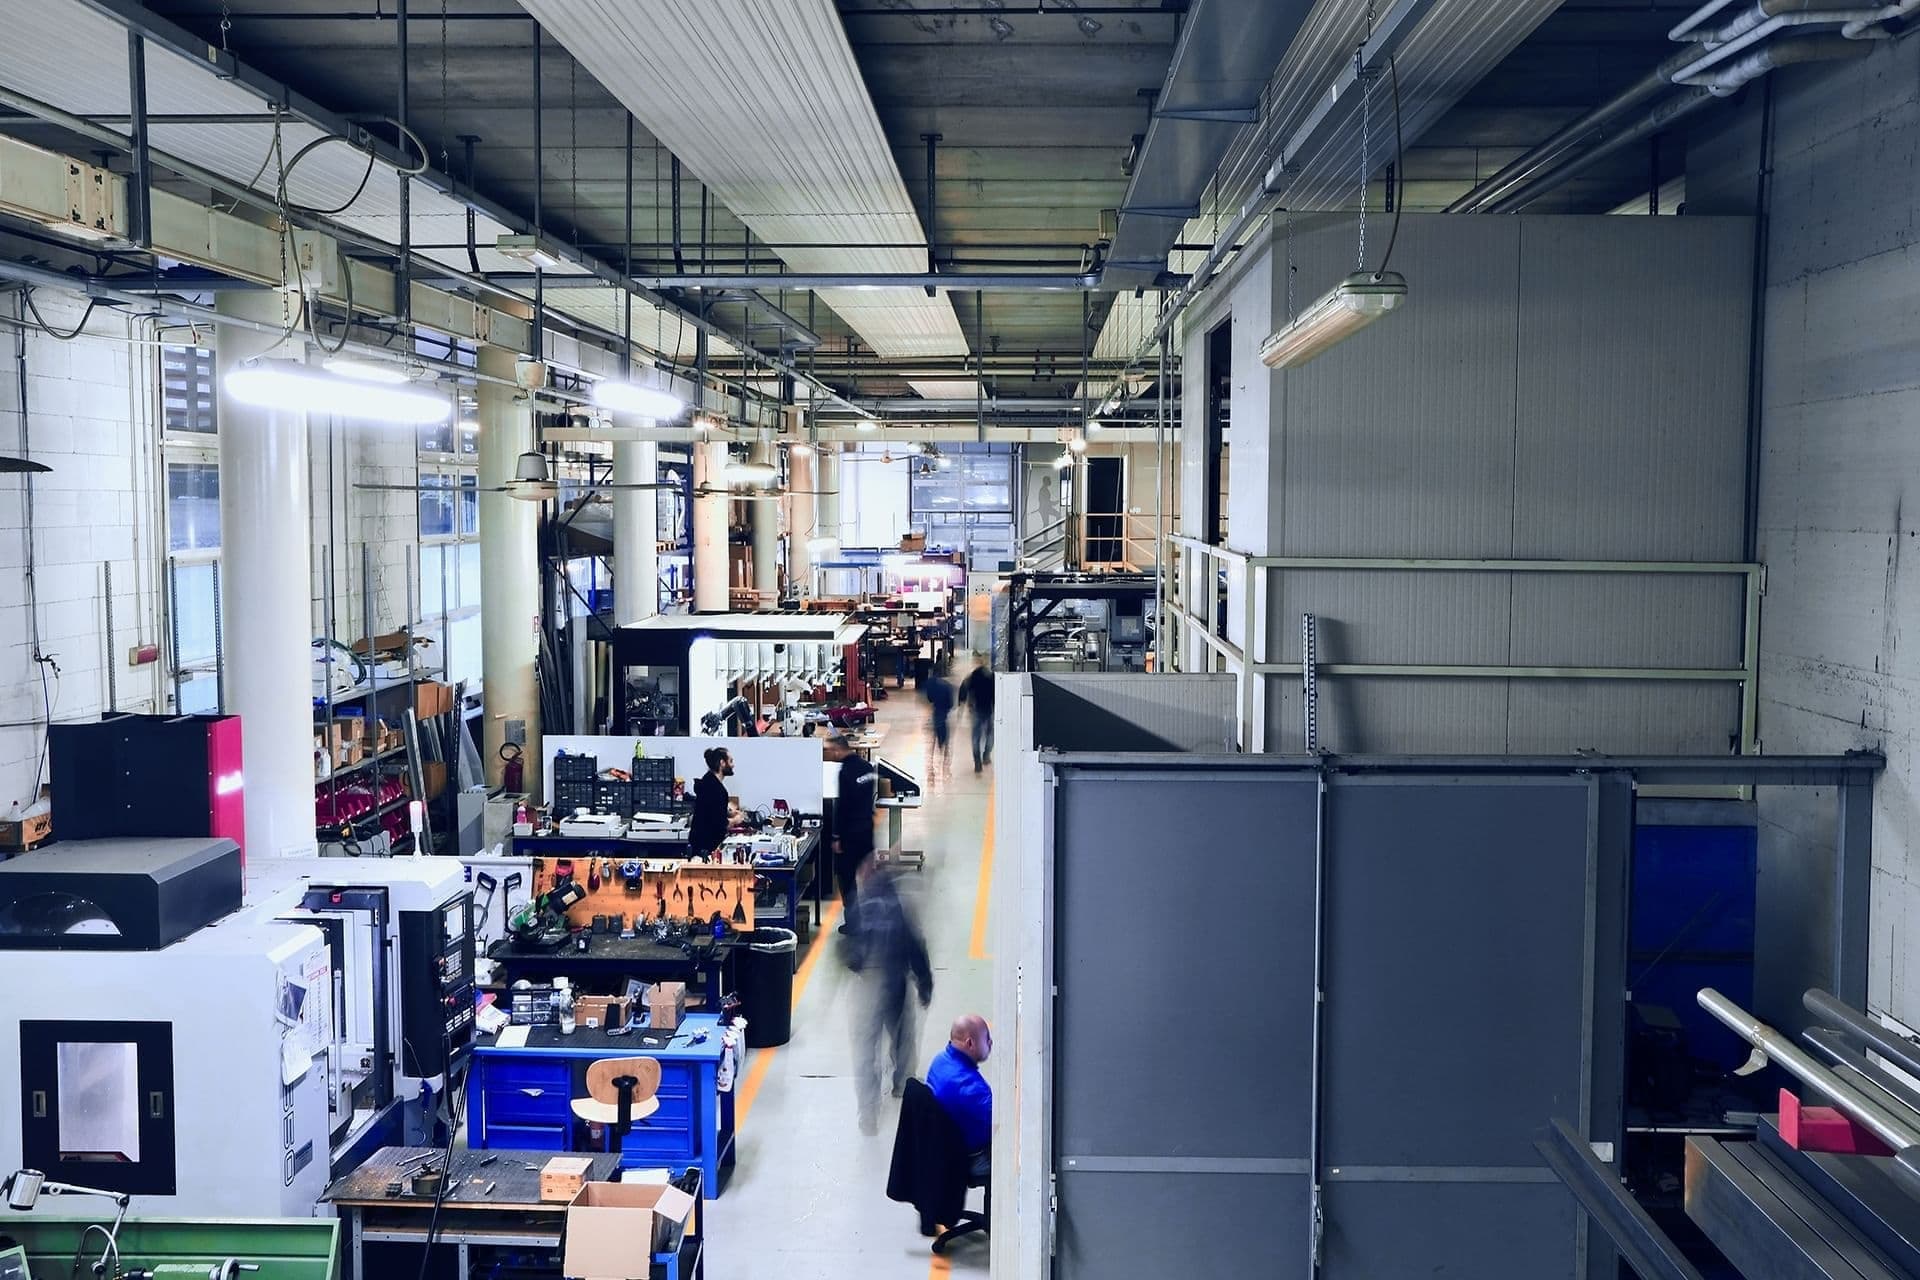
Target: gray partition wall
{"type": "Point", "coordinates": [1470, 945]}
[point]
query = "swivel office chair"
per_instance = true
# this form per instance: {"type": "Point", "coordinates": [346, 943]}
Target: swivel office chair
{"type": "Point", "coordinates": [619, 1092]}
{"type": "Point", "coordinates": [930, 1169]}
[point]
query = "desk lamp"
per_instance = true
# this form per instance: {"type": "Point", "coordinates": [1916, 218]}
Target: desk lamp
{"type": "Point", "coordinates": [24, 1187]}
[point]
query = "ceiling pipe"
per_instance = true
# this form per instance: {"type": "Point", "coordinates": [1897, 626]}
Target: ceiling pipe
{"type": "Point", "coordinates": [1743, 28]}
{"type": "Point", "coordinates": [1028, 282]}
{"type": "Point", "coordinates": [1724, 81]}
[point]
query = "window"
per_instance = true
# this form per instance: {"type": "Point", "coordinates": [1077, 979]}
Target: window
{"type": "Point", "coordinates": [190, 437]}
{"type": "Point", "coordinates": [186, 390]}
{"type": "Point", "coordinates": [963, 499]}
{"type": "Point", "coordinates": [99, 1101]}
{"type": "Point", "coordinates": [193, 506]}
{"type": "Point", "coordinates": [449, 460]}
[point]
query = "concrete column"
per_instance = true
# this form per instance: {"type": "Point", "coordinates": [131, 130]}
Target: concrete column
{"type": "Point", "coordinates": [766, 536]}
{"type": "Point", "coordinates": [711, 570]}
{"type": "Point", "coordinates": [510, 574]}
{"type": "Point", "coordinates": [802, 522]}
{"type": "Point", "coordinates": [827, 505]}
{"type": "Point", "coordinates": [266, 574]}
{"type": "Point", "coordinates": [636, 541]}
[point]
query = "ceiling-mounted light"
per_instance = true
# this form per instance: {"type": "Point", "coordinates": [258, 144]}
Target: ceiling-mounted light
{"type": "Point", "coordinates": [707, 420]}
{"type": "Point", "coordinates": [360, 370]}
{"type": "Point", "coordinates": [1094, 424]}
{"type": "Point", "coordinates": [756, 473]}
{"type": "Point", "coordinates": [1349, 307]}
{"type": "Point", "coordinates": [532, 481]}
{"type": "Point", "coordinates": [528, 249]}
{"type": "Point", "coordinates": [800, 447]}
{"type": "Point", "coordinates": [632, 397]}
{"type": "Point", "coordinates": [294, 388]}
{"type": "Point", "coordinates": [866, 424]}
{"type": "Point", "coordinates": [1078, 444]}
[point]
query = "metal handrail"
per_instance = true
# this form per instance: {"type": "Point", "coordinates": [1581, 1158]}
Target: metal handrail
{"type": "Point", "coordinates": [1201, 637]}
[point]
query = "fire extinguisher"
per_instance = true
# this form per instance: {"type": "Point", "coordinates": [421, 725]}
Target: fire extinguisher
{"type": "Point", "coordinates": [514, 774]}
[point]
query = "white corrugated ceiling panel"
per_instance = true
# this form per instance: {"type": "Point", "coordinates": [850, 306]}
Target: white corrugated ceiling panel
{"type": "Point", "coordinates": [935, 389]}
{"type": "Point", "coordinates": [763, 101]}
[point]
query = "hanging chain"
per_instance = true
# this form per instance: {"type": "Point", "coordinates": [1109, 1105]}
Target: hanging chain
{"type": "Point", "coordinates": [226, 25]}
{"type": "Point", "coordinates": [573, 144]}
{"type": "Point", "coordinates": [1290, 266]}
{"type": "Point", "coordinates": [1366, 126]}
{"type": "Point", "coordinates": [445, 167]}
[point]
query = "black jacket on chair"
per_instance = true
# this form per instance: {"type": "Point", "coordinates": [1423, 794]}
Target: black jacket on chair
{"type": "Point", "coordinates": [929, 1160]}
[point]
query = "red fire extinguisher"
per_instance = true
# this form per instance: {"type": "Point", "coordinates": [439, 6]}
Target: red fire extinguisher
{"type": "Point", "coordinates": [514, 773]}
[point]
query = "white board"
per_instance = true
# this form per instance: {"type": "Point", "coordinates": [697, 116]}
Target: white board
{"type": "Point", "coordinates": [764, 769]}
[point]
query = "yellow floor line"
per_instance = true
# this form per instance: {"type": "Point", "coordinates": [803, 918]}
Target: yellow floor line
{"type": "Point", "coordinates": [983, 893]}
{"type": "Point", "coordinates": [763, 1058]}
{"type": "Point", "coordinates": [940, 1266]}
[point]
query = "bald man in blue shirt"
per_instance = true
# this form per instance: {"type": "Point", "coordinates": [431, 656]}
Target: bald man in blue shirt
{"type": "Point", "coordinates": [956, 1081]}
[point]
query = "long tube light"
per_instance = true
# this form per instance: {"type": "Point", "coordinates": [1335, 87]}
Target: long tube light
{"type": "Point", "coordinates": [632, 397]}
{"type": "Point", "coordinates": [749, 473]}
{"type": "Point", "coordinates": [294, 388]}
{"type": "Point", "coordinates": [1343, 311]}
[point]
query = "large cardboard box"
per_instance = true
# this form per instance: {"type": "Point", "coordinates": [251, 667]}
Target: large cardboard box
{"type": "Point", "coordinates": [431, 698]}
{"type": "Point", "coordinates": [666, 1005]}
{"type": "Point", "coordinates": [615, 1228]}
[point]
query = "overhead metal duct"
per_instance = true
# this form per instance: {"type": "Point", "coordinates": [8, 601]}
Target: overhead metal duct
{"type": "Point", "coordinates": [1217, 82]}
{"type": "Point", "coordinates": [764, 101]}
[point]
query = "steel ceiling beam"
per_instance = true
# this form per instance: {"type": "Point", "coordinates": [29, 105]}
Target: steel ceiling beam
{"type": "Point", "coordinates": [166, 34]}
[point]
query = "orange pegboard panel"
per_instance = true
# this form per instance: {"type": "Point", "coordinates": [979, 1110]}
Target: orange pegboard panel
{"type": "Point", "coordinates": [676, 888]}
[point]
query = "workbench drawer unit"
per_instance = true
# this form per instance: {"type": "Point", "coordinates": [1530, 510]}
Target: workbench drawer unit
{"type": "Point", "coordinates": [521, 1104]}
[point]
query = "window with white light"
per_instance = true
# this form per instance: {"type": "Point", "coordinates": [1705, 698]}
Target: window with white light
{"type": "Point", "coordinates": [190, 441]}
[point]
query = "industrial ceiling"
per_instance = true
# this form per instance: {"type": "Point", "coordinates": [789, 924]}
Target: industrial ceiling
{"type": "Point", "coordinates": [793, 141]}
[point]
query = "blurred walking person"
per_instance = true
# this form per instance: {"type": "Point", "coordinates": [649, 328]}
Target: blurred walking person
{"type": "Point", "coordinates": [890, 953]}
{"type": "Point", "coordinates": [940, 699]}
{"type": "Point", "coordinates": [977, 692]}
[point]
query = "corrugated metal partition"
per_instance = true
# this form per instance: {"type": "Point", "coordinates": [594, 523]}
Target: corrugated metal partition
{"type": "Point", "coordinates": [1472, 942]}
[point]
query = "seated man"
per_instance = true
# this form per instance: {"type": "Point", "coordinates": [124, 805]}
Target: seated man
{"type": "Point", "coordinates": [956, 1081]}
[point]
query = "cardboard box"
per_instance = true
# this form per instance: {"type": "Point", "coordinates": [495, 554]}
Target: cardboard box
{"type": "Point", "coordinates": [431, 698]}
{"type": "Point", "coordinates": [666, 1005]}
{"type": "Point", "coordinates": [434, 774]}
{"type": "Point", "coordinates": [562, 1177]}
{"type": "Point", "coordinates": [601, 1011]}
{"type": "Point", "coordinates": [615, 1228]}
{"type": "Point", "coordinates": [27, 832]}
{"type": "Point", "coordinates": [913, 542]}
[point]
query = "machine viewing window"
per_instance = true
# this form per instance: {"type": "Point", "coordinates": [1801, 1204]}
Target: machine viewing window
{"type": "Point", "coordinates": [99, 1101]}
{"type": "Point", "coordinates": [1219, 429]}
{"type": "Point", "coordinates": [96, 1104]}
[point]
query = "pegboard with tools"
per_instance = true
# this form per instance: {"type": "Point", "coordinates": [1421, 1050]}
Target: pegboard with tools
{"type": "Point", "coordinates": [641, 890]}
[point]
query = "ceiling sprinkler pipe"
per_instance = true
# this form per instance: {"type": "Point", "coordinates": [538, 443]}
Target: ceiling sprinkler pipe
{"type": "Point", "coordinates": [1724, 81]}
{"type": "Point", "coordinates": [1870, 29]}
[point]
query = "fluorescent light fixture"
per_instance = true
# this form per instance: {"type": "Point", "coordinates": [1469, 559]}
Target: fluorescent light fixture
{"type": "Point", "coordinates": [1078, 444]}
{"type": "Point", "coordinates": [1349, 307]}
{"type": "Point", "coordinates": [631, 397]}
{"type": "Point", "coordinates": [1064, 461]}
{"type": "Point", "coordinates": [749, 473]}
{"type": "Point", "coordinates": [294, 388]}
{"type": "Point", "coordinates": [1094, 424]}
{"type": "Point", "coordinates": [866, 424]}
{"type": "Point", "coordinates": [800, 447]}
{"type": "Point", "coordinates": [359, 370]}
{"type": "Point", "coordinates": [527, 249]}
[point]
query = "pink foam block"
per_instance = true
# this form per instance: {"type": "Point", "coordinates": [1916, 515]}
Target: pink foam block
{"type": "Point", "coordinates": [1825, 1130]}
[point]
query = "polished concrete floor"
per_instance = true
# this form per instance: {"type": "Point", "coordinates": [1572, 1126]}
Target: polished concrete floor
{"type": "Point", "coordinates": [807, 1200]}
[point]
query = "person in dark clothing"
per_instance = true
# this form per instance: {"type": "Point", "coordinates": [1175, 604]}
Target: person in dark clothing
{"type": "Point", "coordinates": [709, 828]}
{"type": "Point", "coordinates": [977, 692]}
{"type": "Point", "coordinates": [853, 811]}
{"type": "Point", "coordinates": [940, 698]}
{"type": "Point", "coordinates": [889, 951]}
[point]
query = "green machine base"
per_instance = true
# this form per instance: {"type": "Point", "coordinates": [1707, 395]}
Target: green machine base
{"type": "Point", "coordinates": [173, 1248]}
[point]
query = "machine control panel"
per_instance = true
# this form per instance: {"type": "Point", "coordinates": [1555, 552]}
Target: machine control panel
{"type": "Point", "coordinates": [436, 979]}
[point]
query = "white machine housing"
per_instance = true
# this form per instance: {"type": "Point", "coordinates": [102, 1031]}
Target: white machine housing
{"type": "Point", "coordinates": [249, 1003]}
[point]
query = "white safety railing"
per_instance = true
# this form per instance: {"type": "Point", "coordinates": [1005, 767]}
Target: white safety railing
{"type": "Point", "coordinates": [1216, 601]}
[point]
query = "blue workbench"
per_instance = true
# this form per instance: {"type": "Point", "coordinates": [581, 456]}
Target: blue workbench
{"type": "Point", "coordinates": [522, 1098]}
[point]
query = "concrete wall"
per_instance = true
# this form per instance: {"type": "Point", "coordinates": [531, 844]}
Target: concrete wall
{"type": "Point", "coordinates": [1527, 402]}
{"type": "Point", "coordinates": [1840, 457]}
{"type": "Point", "coordinates": [91, 409]}
{"type": "Point", "coordinates": [94, 417]}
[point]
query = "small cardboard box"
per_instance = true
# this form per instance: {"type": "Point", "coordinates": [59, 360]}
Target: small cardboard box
{"type": "Point", "coordinates": [615, 1228]}
{"type": "Point", "coordinates": [431, 698]}
{"type": "Point", "coordinates": [601, 1011]}
{"type": "Point", "coordinates": [666, 1005]}
{"type": "Point", "coordinates": [562, 1177]}
{"type": "Point", "coordinates": [27, 832]}
{"type": "Point", "coordinates": [913, 542]}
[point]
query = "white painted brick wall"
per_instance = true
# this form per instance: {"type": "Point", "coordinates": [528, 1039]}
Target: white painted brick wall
{"type": "Point", "coordinates": [90, 416]}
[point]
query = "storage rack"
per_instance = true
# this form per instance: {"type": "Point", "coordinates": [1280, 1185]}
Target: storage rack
{"type": "Point", "coordinates": [389, 699]}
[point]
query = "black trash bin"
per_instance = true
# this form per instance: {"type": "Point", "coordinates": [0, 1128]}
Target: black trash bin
{"type": "Point", "coordinates": [766, 986]}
